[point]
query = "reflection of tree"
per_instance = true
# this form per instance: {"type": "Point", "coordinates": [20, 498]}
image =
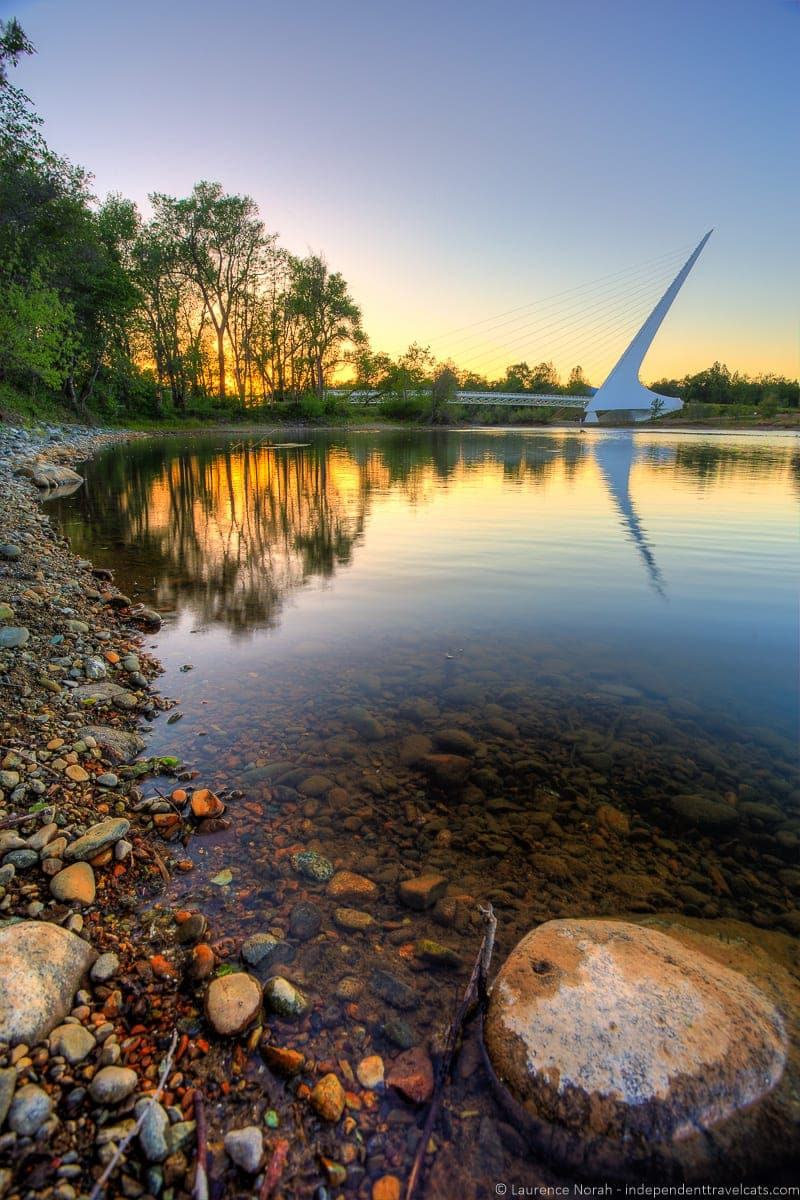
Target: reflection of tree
{"type": "Point", "coordinates": [228, 529]}
{"type": "Point", "coordinates": [707, 461]}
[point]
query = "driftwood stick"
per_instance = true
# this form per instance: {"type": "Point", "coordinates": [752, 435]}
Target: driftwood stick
{"type": "Point", "coordinates": [476, 990]}
{"type": "Point", "coordinates": [274, 1171]}
{"type": "Point", "coordinates": [153, 1098]}
{"type": "Point", "coordinates": [200, 1190]}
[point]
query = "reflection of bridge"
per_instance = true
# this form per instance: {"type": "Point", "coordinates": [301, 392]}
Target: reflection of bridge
{"type": "Point", "coordinates": [621, 393]}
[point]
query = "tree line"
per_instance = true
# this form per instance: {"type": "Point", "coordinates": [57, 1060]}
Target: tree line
{"type": "Point", "coordinates": [127, 314]}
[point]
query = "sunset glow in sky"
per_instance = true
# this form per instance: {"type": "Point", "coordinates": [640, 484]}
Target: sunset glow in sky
{"type": "Point", "coordinates": [456, 160]}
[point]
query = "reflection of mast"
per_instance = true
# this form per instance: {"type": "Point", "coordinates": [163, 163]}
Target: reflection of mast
{"type": "Point", "coordinates": [614, 456]}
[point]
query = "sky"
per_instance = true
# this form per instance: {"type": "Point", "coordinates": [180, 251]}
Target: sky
{"type": "Point", "coordinates": [553, 160]}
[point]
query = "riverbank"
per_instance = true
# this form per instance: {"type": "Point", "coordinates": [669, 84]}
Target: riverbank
{"type": "Point", "coordinates": [88, 1014]}
{"type": "Point", "coordinates": [117, 1010]}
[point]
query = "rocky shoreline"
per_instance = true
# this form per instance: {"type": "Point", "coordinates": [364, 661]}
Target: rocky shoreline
{"type": "Point", "coordinates": [86, 1020]}
{"type": "Point", "coordinates": [116, 1013]}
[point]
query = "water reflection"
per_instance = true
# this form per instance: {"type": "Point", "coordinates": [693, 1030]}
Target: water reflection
{"type": "Point", "coordinates": [614, 456]}
{"type": "Point", "coordinates": [229, 529]}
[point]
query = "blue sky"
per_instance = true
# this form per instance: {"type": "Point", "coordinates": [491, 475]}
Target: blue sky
{"type": "Point", "coordinates": [455, 160]}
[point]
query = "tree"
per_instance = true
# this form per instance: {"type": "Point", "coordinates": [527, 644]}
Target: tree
{"type": "Point", "coordinates": [578, 384]}
{"type": "Point", "coordinates": [218, 237]}
{"type": "Point", "coordinates": [544, 378]}
{"type": "Point", "coordinates": [443, 392]}
{"type": "Point", "coordinates": [330, 319]}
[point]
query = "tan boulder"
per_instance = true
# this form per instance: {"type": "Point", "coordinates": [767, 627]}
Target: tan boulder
{"type": "Point", "coordinates": [624, 1049]}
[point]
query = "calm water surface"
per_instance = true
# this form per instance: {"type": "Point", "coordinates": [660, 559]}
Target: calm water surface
{"type": "Point", "coordinates": [584, 619]}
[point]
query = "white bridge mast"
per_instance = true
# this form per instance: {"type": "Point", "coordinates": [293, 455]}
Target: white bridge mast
{"type": "Point", "coordinates": [622, 390]}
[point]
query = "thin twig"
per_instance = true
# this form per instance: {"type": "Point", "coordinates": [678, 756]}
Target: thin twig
{"type": "Point", "coordinates": [476, 989]}
{"type": "Point", "coordinates": [200, 1190]}
{"type": "Point", "coordinates": [153, 1098]}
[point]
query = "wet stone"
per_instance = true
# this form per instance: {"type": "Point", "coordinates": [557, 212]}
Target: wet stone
{"type": "Point", "coordinates": [690, 1055]}
{"type": "Point", "coordinates": [98, 838]}
{"type": "Point", "coordinates": [305, 921]}
{"type": "Point", "coordinates": [312, 865]}
{"type": "Point", "coordinates": [72, 1041]}
{"type": "Point", "coordinates": [245, 1147]}
{"type": "Point", "coordinates": [347, 886]}
{"type": "Point", "coordinates": [423, 891]}
{"type": "Point", "coordinates": [75, 884]}
{"type": "Point", "coordinates": [259, 949]}
{"type": "Point", "coordinates": [232, 1003]}
{"type": "Point", "coordinates": [283, 998]}
{"type": "Point", "coordinates": [327, 1098]}
{"type": "Point", "coordinates": [29, 1110]}
{"type": "Point", "coordinates": [707, 814]}
{"type": "Point", "coordinates": [353, 919]}
{"type": "Point", "coordinates": [411, 1074]}
{"type": "Point", "coordinates": [394, 991]}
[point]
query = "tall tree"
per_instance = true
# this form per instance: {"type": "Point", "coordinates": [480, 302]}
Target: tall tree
{"type": "Point", "coordinates": [330, 318]}
{"type": "Point", "coordinates": [219, 237]}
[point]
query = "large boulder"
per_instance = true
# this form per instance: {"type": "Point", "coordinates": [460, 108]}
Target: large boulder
{"type": "Point", "coordinates": [41, 968]}
{"type": "Point", "coordinates": [625, 1050]}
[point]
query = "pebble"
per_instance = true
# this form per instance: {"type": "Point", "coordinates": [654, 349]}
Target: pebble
{"type": "Point", "coordinates": [29, 1110]}
{"type": "Point", "coordinates": [105, 968]}
{"type": "Point", "coordinates": [97, 838]}
{"type": "Point", "coordinates": [327, 1097]}
{"type": "Point", "coordinates": [12, 637]}
{"type": "Point", "coordinates": [112, 1085]}
{"type": "Point", "coordinates": [305, 920]}
{"type": "Point", "coordinates": [411, 1074]}
{"type": "Point", "coordinates": [423, 891]}
{"type": "Point", "coordinates": [283, 998]}
{"type": "Point", "coordinates": [348, 886]}
{"type": "Point", "coordinates": [154, 1131]}
{"type": "Point", "coordinates": [312, 865]}
{"type": "Point", "coordinates": [370, 1072]}
{"type": "Point", "coordinates": [232, 1003]}
{"type": "Point", "coordinates": [245, 1147]}
{"type": "Point", "coordinates": [259, 948]}
{"type": "Point", "coordinates": [75, 884]}
{"type": "Point", "coordinates": [74, 1042]}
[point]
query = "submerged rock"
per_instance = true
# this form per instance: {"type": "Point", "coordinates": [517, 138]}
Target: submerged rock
{"type": "Point", "coordinates": [629, 1051]}
{"type": "Point", "coordinates": [245, 1147]}
{"type": "Point", "coordinates": [41, 968]}
{"type": "Point", "coordinates": [283, 998]}
{"type": "Point", "coordinates": [233, 1002]}
{"type": "Point", "coordinates": [312, 865]}
{"type": "Point", "coordinates": [328, 1098]}
{"type": "Point", "coordinates": [707, 814]}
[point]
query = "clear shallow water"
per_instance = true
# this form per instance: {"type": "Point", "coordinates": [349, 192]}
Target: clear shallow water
{"type": "Point", "coordinates": [607, 618]}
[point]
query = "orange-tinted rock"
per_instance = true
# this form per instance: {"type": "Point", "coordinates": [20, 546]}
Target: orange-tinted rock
{"type": "Point", "coordinates": [283, 1061]}
{"type": "Point", "coordinates": [412, 1074]}
{"type": "Point", "coordinates": [423, 891]}
{"type": "Point", "coordinates": [202, 962]}
{"type": "Point", "coordinates": [328, 1098]}
{"type": "Point", "coordinates": [349, 887]}
{"type": "Point", "coordinates": [162, 967]}
{"type": "Point", "coordinates": [233, 1002]}
{"type": "Point", "coordinates": [448, 770]}
{"type": "Point", "coordinates": [206, 803]}
{"type": "Point", "coordinates": [388, 1187]}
